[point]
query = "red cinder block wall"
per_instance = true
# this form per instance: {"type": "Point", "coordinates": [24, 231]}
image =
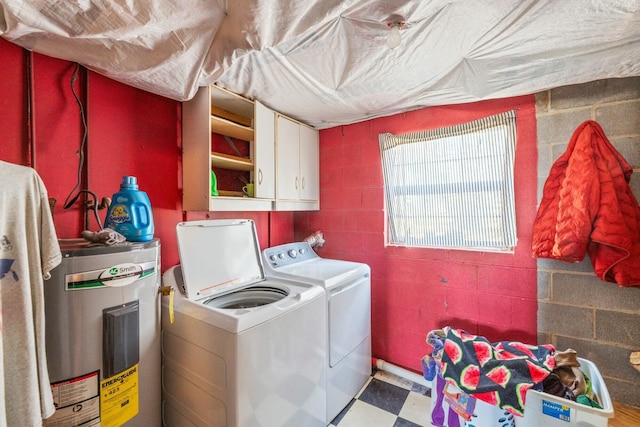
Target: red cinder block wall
{"type": "Point", "coordinates": [132, 132]}
{"type": "Point", "coordinates": [416, 290]}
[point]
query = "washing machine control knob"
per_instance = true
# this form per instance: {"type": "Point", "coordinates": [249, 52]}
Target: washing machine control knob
{"type": "Point", "coordinates": [281, 255]}
{"type": "Point", "coordinates": [293, 253]}
{"type": "Point", "coordinates": [303, 251]}
{"type": "Point", "coordinates": [274, 257]}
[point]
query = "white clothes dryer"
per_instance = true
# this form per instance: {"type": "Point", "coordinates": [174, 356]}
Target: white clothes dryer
{"type": "Point", "coordinates": [348, 306]}
{"type": "Point", "coordinates": [242, 350]}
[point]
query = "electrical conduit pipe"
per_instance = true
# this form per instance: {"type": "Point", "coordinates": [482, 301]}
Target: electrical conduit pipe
{"type": "Point", "coordinates": [401, 372]}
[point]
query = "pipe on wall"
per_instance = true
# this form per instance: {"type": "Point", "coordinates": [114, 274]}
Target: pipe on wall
{"type": "Point", "coordinates": [31, 115]}
{"type": "Point", "coordinates": [401, 372]}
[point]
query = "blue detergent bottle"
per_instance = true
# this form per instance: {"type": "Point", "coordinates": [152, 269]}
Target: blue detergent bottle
{"type": "Point", "coordinates": [130, 212]}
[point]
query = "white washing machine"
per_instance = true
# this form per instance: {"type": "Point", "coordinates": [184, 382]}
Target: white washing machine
{"type": "Point", "coordinates": [242, 351]}
{"type": "Point", "coordinates": [348, 305]}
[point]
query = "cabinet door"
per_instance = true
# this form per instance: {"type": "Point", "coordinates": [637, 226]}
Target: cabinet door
{"type": "Point", "coordinates": [309, 164]}
{"type": "Point", "coordinates": [288, 143]}
{"type": "Point", "coordinates": [264, 173]}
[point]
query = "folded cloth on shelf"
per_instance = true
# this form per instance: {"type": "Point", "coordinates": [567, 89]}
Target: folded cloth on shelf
{"type": "Point", "coordinates": [499, 373]}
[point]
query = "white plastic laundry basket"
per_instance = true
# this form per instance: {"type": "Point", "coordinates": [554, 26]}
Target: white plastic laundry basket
{"type": "Point", "coordinates": [543, 409]}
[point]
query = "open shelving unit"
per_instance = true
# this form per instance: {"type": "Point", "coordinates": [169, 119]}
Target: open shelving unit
{"type": "Point", "coordinates": [215, 110]}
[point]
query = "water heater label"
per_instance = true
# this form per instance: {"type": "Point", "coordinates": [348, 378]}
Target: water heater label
{"type": "Point", "coordinates": [114, 276]}
{"type": "Point", "coordinates": [76, 401]}
{"type": "Point", "coordinates": [119, 397]}
{"type": "Point", "coordinates": [121, 275]}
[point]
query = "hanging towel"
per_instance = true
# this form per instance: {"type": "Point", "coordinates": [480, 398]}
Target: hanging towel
{"type": "Point", "coordinates": [28, 252]}
{"type": "Point", "coordinates": [497, 373]}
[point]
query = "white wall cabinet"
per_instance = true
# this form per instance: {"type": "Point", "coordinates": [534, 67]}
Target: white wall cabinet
{"type": "Point", "coordinates": [264, 175]}
{"type": "Point", "coordinates": [282, 160]}
{"type": "Point", "coordinates": [297, 171]}
{"type": "Point", "coordinates": [310, 165]}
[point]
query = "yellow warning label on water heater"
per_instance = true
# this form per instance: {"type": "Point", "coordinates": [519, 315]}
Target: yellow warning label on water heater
{"type": "Point", "coordinates": [119, 397]}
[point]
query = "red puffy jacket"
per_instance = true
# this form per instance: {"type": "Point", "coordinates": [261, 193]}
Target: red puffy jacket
{"type": "Point", "coordinates": [587, 206]}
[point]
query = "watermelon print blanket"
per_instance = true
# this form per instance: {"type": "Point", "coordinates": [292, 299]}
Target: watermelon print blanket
{"type": "Point", "coordinates": [499, 373]}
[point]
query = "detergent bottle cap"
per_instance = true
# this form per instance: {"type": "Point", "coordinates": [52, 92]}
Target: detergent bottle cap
{"type": "Point", "coordinates": [129, 183]}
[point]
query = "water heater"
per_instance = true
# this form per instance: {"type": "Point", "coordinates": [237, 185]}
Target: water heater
{"type": "Point", "coordinates": [103, 335]}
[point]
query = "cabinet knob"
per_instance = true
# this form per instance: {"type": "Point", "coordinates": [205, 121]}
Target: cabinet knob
{"type": "Point", "coordinates": [259, 176]}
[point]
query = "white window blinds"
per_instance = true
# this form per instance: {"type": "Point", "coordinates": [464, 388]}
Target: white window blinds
{"type": "Point", "coordinates": [452, 187]}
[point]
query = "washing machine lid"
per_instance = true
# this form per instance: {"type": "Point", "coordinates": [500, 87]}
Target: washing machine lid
{"type": "Point", "coordinates": [322, 271]}
{"type": "Point", "coordinates": [218, 256]}
{"type": "Point", "coordinates": [298, 262]}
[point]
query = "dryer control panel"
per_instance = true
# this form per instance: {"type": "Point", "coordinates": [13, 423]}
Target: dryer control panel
{"type": "Point", "coordinates": [289, 253]}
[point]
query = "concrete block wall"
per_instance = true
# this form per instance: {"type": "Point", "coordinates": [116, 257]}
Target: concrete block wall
{"type": "Point", "coordinates": [599, 320]}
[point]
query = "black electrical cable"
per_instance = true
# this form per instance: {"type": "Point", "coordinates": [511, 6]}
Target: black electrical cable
{"type": "Point", "coordinates": [94, 207]}
{"type": "Point", "coordinates": [68, 203]}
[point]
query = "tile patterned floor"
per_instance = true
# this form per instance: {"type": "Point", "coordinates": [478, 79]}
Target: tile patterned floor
{"type": "Point", "coordinates": [387, 400]}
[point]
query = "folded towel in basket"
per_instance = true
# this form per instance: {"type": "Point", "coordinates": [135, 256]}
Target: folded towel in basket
{"type": "Point", "coordinates": [497, 373]}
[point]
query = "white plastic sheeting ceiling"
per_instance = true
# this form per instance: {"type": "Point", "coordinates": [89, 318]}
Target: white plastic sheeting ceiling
{"type": "Point", "coordinates": [326, 62]}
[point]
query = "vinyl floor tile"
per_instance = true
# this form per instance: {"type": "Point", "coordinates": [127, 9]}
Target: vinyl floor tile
{"type": "Point", "coordinates": [363, 414]}
{"type": "Point", "coordinates": [416, 409]}
{"type": "Point", "coordinates": [384, 396]}
{"type": "Point", "coordinates": [387, 400]}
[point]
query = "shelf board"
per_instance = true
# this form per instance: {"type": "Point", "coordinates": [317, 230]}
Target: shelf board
{"type": "Point", "coordinates": [232, 102]}
{"type": "Point", "coordinates": [228, 115]}
{"type": "Point", "coordinates": [227, 161]}
{"type": "Point", "coordinates": [229, 128]}
{"type": "Point", "coordinates": [297, 205]}
{"type": "Point", "coordinates": [239, 204]}
{"type": "Point", "coordinates": [229, 193]}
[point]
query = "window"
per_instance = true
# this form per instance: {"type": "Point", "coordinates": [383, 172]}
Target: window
{"type": "Point", "coordinates": [452, 187]}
